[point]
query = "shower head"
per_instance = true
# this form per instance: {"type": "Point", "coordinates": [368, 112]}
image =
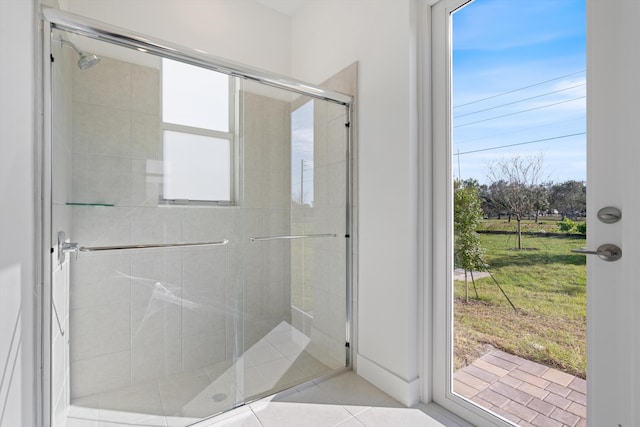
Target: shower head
{"type": "Point", "coordinates": [87, 60]}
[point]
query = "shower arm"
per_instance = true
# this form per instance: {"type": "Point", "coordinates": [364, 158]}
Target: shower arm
{"type": "Point", "coordinates": [68, 43]}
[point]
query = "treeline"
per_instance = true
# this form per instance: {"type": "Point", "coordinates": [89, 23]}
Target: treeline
{"type": "Point", "coordinates": [567, 199]}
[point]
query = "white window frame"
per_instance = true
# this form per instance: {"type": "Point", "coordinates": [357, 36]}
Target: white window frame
{"type": "Point", "coordinates": [438, 229]}
{"type": "Point", "coordinates": [231, 135]}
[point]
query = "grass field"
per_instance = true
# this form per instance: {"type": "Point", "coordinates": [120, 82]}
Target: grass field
{"type": "Point", "coordinates": [546, 283]}
{"type": "Point", "coordinates": [544, 225]}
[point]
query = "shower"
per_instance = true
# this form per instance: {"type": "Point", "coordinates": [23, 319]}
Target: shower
{"type": "Point", "coordinates": [86, 60]}
{"type": "Point", "coordinates": [178, 302]}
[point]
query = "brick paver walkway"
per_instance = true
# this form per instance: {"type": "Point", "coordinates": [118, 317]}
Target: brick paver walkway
{"type": "Point", "coordinates": [524, 392]}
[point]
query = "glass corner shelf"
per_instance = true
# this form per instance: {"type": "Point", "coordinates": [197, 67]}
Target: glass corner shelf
{"type": "Point", "coordinates": [88, 204]}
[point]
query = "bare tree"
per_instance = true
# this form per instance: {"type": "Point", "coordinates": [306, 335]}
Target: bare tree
{"type": "Point", "coordinates": [522, 176]}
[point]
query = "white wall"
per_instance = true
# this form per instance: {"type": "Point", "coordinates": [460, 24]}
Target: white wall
{"type": "Point", "coordinates": [239, 30]}
{"type": "Point", "coordinates": [17, 302]}
{"type": "Point", "coordinates": [328, 36]}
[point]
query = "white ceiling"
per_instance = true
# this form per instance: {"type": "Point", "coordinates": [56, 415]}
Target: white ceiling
{"type": "Point", "coordinates": [287, 7]}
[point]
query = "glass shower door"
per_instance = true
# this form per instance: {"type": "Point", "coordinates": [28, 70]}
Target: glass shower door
{"type": "Point", "coordinates": [148, 332]}
{"type": "Point", "coordinates": [200, 253]}
{"type": "Point", "coordinates": [294, 206]}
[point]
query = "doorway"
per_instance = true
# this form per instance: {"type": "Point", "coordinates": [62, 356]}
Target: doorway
{"type": "Point", "coordinates": [510, 140]}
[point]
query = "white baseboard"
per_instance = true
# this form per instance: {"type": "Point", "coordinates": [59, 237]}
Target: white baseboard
{"type": "Point", "coordinates": [406, 392]}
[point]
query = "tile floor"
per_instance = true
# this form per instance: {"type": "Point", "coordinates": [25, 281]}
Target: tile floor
{"type": "Point", "coordinates": [345, 400]}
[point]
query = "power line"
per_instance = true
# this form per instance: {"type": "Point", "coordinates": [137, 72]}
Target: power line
{"type": "Point", "coordinates": [519, 143]}
{"type": "Point", "coordinates": [492, 136]}
{"type": "Point", "coordinates": [520, 112]}
{"type": "Point", "coordinates": [520, 100]}
{"type": "Point", "coordinates": [519, 89]}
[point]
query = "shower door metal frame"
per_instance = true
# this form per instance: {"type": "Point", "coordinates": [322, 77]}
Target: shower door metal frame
{"type": "Point", "coordinates": [117, 35]}
{"type": "Point", "coordinates": [50, 19]}
{"type": "Point", "coordinates": [44, 252]}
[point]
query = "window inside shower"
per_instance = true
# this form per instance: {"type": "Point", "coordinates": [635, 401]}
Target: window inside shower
{"type": "Point", "coordinates": [165, 314]}
{"type": "Point", "coordinates": [197, 134]}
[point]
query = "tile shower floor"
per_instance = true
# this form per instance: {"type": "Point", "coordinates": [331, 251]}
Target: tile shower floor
{"type": "Point", "coordinates": [276, 362]}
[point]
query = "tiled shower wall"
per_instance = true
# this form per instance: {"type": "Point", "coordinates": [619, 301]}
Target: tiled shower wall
{"type": "Point", "coordinates": [141, 315]}
{"type": "Point", "coordinates": [266, 212]}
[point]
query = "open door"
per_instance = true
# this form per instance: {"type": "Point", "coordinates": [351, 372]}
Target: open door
{"type": "Point", "coordinates": [613, 344]}
{"type": "Point", "coordinates": [613, 64]}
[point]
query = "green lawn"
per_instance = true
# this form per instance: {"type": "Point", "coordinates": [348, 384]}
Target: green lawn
{"type": "Point", "coordinates": [547, 284]}
{"type": "Point", "coordinates": [544, 225]}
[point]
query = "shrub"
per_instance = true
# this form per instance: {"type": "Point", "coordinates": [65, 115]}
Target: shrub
{"type": "Point", "coordinates": [567, 225]}
{"type": "Point", "coordinates": [581, 228]}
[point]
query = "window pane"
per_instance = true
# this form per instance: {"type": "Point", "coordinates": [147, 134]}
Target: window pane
{"type": "Point", "coordinates": [302, 155]}
{"type": "Point", "coordinates": [194, 96]}
{"type": "Point", "coordinates": [196, 167]}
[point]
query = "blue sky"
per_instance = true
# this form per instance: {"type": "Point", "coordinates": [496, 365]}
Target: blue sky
{"type": "Point", "coordinates": [519, 78]}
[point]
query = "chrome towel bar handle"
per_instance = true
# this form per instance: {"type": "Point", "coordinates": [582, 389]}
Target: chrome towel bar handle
{"type": "Point", "coordinates": [291, 237]}
{"type": "Point", "coordinates": [65, 247]}
{"type": "Point", "coordinates": [150, 246]}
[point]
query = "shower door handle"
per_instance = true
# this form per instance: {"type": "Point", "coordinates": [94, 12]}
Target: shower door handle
{"type": "Point", "coordinates": [65, 247]}
{"type": "Point", "coordinates": [150, 246]}
{"type": "Point", "coordinates": [291, 237]}
{"type": "Point", "coordinates": [69, 248]}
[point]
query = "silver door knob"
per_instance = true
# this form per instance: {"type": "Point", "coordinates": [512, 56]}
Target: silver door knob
{"type": "Point", "coordinates": [609, 215]}
{"type": "Point", "coordinates": [607, 252]}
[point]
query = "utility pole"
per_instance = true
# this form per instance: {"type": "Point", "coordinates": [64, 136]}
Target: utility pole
{"type": "Point", "coordinates": [301, 182]}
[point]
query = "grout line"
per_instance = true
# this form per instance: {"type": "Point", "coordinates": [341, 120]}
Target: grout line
{"type": "Point", "coordinates": [360, 412]}
{"type": "Point", "coordinates": [255, 415]}
{"type": "Point", "coordinates": [162, 405]}
{"type": "Point", "coordinates": [352, 417]}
